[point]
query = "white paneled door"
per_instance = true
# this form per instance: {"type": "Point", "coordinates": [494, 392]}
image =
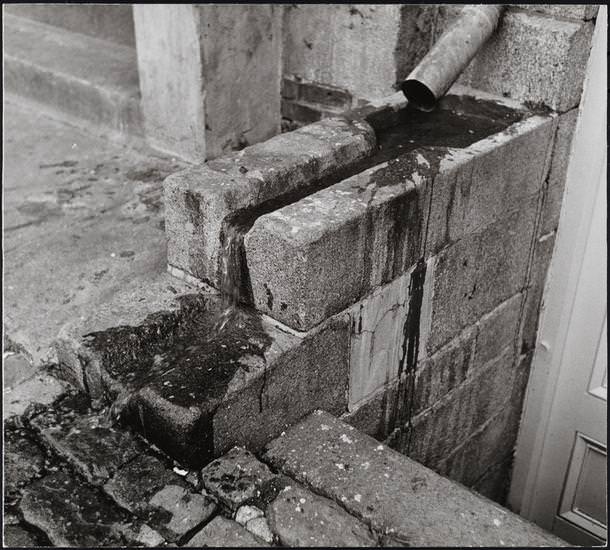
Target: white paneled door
{"type": "Point", "coordinates": [559, 479]}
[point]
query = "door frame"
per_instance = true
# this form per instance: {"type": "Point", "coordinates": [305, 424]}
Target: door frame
{"type": "Point", "coordinates": [587, 158]}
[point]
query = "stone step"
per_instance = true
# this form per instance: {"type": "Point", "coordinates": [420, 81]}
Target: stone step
{"type": "Point", "coordinates": [108, 22]}
{"type": "Point", "coordinates": [89, 80]}
{"type": "Point", "coordinates": [196, 393]}
{"type": "Point", "coordinates": [393, 494]}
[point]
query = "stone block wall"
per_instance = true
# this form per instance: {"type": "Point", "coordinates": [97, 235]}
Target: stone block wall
{"type": "Point", "coordinates": [432, 264]}
{"type": "Point", "coordinates": [432, 261]}
{"type": "Point", "coordinates": [362, 52]}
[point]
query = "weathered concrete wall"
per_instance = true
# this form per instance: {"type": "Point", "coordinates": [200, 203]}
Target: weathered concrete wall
{"type": "Point", "coordinates": [209, 76]}
{"type": "Point", "coordinates": [361, 48]}
{"type": "Point", "coordinates": [339, 54]}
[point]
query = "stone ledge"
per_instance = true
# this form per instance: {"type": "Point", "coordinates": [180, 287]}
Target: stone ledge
{"type": "Point", "coordinates": [392, 493]}
{"type": "Point", "coordinates": [312, 259]}
{"type": "Point", "coordinates": [200, 199]}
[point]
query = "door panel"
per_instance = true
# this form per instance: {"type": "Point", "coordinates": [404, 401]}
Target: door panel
{"type": "Point", "coordinates": [559, 478]}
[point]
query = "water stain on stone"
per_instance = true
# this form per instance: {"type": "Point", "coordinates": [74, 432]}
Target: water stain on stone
{"type": "Point", "coordinates": [170, 377]}
{"type": "Point", "coordinates": [64, 164]}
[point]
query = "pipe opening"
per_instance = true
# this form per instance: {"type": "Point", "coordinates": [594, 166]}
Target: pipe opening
{"type": "Point", "coordinates": [418, 95]}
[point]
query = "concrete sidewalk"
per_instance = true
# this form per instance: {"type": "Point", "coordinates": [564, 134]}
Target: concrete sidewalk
{"type": "Point", "coordinates": [83, 220]}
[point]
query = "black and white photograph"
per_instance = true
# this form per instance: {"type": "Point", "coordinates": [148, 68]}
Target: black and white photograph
{"type": "Point", "coordinates": [304, 275]}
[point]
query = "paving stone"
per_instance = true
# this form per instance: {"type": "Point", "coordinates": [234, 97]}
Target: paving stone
{"type": "Point", "coordinates": [89, 442]}
{"type": "Point", "coordinates": [24, 460]}
{"type": "Point", "coordinates": [15, 369]}
{"type": "Point", "coordinates": [42, 389]}
{"type": "Point", "coordinates": [223, 532]}
{"type": "Point", "coordinates": [169, 504]}
{"type": "Point", "coordinates": [73, 513]}
{"type": "Point", "coordinates": [259, 527]}
{"type": "Point", "coordinates": [245, 513]}
{"type": "Point", "coordinates": [300, 518]}
{"type": "Point", "coordinates": [236, 477]}
{"type": "Point", "coordinates": [16, 536]}
{"type": "Point", "coordinates": [392, 493]}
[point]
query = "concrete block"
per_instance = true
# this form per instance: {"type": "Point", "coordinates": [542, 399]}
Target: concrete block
{"type": "Point", "coordinates": [321, 95]}
{"type": "Point", "coordinates": [321, 254]}
{"type": "Point", "coordinates": [374, 416]}
{"type": "Point", "coordinates": [484, 450]}
{"type": "Point", "coordinates": [55, 68]}
{"type": "Point", "coordinates": [568, 11]}
{"type": "Point", "coordinates": [562, 147]}
{"type": "Point", "coordinates": [205, 391]}
{"type": "Point", "coordinates": [311, 374]}
{"type": "Point", "coordinates": [324, 44]}
{"type": "Point", "coordinates": [498, 330]}
{"type": "Point", "coordinates": [439, 430]}
{"type": "Point", "coordinates": [363, 49]}
{"type": "Point", "coordinates": [479, 272]}
{"type": "Point", "coordinates": [477, 186]}
{"type": "Point", "coordinates": [199, 199]}
{"type": "Point", "coordinates": [301, 518]}
{"type": "Point", "coordinates": [224, 532]}
{"type": "Point", "coordinates": [377, 333]}
{"type": "Point", "coordinates": [317, 256]}
{"type": "Point", "coordinates": [444, 371]}
{"type": "Point", "coordinates": [532, 58]}
{"type": "Point", "coordinates": [392, 493]}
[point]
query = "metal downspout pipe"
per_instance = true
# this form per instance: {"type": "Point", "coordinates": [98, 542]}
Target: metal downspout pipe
{"type": "Point", "coordinates": [450, 55]}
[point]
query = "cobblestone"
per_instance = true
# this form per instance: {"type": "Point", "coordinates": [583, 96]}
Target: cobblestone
{"type": "Point", "coordinates": [163, 499]}
{"type": "Point", "coordinates": [301, 518]}
{"type": "Point", "coordinates": [224, 532]}
{"type": "Point", "coordinates": [236, 477]}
